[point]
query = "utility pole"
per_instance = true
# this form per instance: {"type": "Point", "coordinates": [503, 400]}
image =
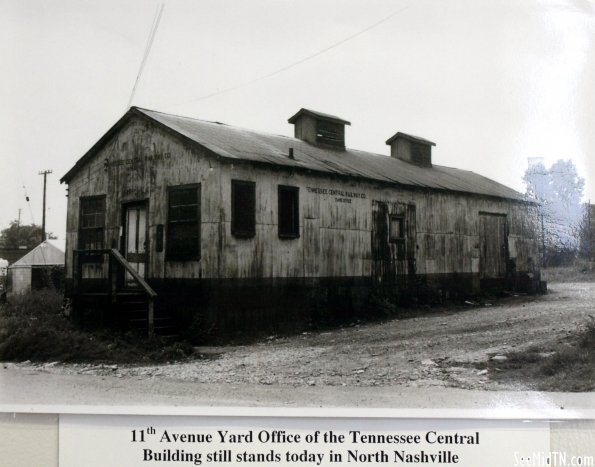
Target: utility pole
{"type": "Point", "coordinates": [45, 174]}
{"type": "Point", "coordinates": [543, 254]}
{"type": "Point", "coordinates": [590, 239]}
{"type": "Point", "coordinates": [19, 221]}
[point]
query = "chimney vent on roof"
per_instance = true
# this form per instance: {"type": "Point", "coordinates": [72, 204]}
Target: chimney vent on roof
{"type": "Point", "coordinates": [412, 149]}
{"type": "Point", "coordinates": [319, 128]}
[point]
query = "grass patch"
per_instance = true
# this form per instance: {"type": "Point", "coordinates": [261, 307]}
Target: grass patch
{"type": "Point", "coordinates": [33, 327]}
{"type": "Point", "coordinates": [580, 271]}
{"type": "Point", "coordinates": [568, 367]}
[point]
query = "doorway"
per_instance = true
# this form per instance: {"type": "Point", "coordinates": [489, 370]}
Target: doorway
{"type": "Point", "coordinates": [135, 239]}
{"type": "Point", "coordinates": [493, 247]}
{"type": "Point", "coordinates": [393, 242]}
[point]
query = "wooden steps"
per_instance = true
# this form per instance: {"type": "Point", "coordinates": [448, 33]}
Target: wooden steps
{"type": "Point", "coordinates": [130, 311]}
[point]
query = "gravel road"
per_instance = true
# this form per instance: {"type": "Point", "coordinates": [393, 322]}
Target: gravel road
{"type": "Point", "coordinates": [436, 352]}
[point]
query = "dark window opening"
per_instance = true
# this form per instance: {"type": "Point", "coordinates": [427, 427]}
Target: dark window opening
{"type": "Point", "coordinates": [243, 208]}
{"type": "Point", "coordinates": [51, 277]}
{"type": "Point", "coordinates": [397, 229]}
{"type": "Point", "coordinates": [330, 133]}
{"type": "Point", "coordinates": [183, 224]}
{"type": "Point", "coordinates": [289, 214]}
{"type": "Point", "coordinates": [92, 223]}
{"type": "Point", "coordinates": [421, 154]}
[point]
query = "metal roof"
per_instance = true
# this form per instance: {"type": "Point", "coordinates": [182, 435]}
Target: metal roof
{"type": "Point", "coordinates": [316, 114]}
{"type": "Point", "coordinates": [233, 143]}
{"type": "Point", "coordinates": [247, 145]}
{"type": "Point", "coordinates": [44, 254]}
{"type": "Point", "coordinates": [416, 139]}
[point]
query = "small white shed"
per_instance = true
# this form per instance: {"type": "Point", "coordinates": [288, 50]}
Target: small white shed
{"type": "Point", "coordinates": [41, 267]}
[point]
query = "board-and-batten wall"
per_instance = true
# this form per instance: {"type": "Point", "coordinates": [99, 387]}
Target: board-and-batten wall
{"type": "Point", "coordinates": [20, 280]}
{"type": "Point", "coordinates": [335, 214]}
{"type": "Point", "coordinates": [143, 161]}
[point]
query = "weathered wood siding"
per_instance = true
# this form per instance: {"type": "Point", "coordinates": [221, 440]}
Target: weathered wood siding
{"type": "Point", "coordinates": [336, 224]}
{"type": "Point", "coordinates": [19, 280]}
{"type": "Point", "coordinates": [493, 248]}
{"type": "Point", "coordinates": [335, 215]}
{"type": "Point", "coordinates": [142, 162]}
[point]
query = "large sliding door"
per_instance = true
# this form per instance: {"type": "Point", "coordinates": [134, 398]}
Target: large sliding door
{"type": "Point", "coordinates": [493, 252]}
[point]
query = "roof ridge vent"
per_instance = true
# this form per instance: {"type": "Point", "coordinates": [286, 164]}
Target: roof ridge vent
{"type": "Point", "coordinates": [412, 149]}
{"type": "Point", "coordinates": [319, 128]}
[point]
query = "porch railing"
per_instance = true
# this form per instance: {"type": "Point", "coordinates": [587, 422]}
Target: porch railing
{"type": "Point", "coordinates": [116, 263]}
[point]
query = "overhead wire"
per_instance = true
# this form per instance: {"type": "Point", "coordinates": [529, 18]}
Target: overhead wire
{"type": "Point", "coordinates": [298, 62]}
{"type": "Point", "coordinates": [150, 39]}
{"type": "Point", "coordinates": [95, 173]}
{"type": "Point", "coordinates": [27, 199]}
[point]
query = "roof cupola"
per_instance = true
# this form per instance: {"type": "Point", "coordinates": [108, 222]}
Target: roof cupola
{"type": "Point", "coordinates": [412, 149]}
{"type": "Point", "coordinates": [319, 128]}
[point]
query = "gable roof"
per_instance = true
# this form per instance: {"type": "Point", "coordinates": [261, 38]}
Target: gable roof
{"type": "Point", "coordinates": [44, 254]}
{"type": "Point", "coordinates": [316, 114]}
{"type": "Point", "coordinates": [413, 138]}
{"type": "Point", "coordinates": [233, 143]}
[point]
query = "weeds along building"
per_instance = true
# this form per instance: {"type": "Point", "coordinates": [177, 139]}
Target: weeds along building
{"type": "Point", "coordinates": [177, 221]}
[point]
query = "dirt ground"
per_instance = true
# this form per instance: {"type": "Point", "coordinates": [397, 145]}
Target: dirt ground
{"type": "Point", "coordinates": [443, 349]}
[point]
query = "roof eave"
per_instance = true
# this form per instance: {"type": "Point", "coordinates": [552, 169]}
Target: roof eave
{"type": "Point", "coordinates": [99, 144]}
{"type": "Point", "coordinates": [133, 111]}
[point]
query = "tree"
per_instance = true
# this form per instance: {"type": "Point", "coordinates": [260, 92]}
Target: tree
{"type": "Point", "coordinates": [558, 190]}
{"type": "Point", "coordinates": [17, 236]}
{"type": "Point", "coordinates": [586, 232]}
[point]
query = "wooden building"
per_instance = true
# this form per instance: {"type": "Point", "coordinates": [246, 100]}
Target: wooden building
{"type": "Point", "coordinates": [40, 268]}
{"type": "Point", "coordinates": [227, 229]}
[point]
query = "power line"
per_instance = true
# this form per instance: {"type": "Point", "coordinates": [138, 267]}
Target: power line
{"type": "Point", "coordinates": [154, 26]}
{"type": "Point", "coordinates": [28, 202]}
{"type": "Point", "coordinates": [298, 62]}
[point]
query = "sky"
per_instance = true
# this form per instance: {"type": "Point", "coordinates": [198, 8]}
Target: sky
{"type": "Point", "coordinates": [492, 83]}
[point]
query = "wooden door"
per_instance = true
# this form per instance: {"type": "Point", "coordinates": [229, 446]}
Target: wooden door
{"type": "Point", "coordinates": [493, 251]}
{"type": "Point", "coordinates": [135, 239]}
{"type": "Point", "coordinates": [393, 242]}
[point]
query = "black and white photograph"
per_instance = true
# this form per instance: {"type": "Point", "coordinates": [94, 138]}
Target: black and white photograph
{"type": "Point", "coordinates": [314, 204]}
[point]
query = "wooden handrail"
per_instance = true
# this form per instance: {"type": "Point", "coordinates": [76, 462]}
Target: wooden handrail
{"type": "Point", "coordinates": [135, 275]}
{"type": "Point", "coordinates": [125, 264]}
{"type": "Point", "coordinates": [116, 255]}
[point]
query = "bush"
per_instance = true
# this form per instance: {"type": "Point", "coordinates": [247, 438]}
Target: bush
{"type": "Point", "coordinates": [572, 368]}
{"type": "Point", "coordinates": [33, 327]}
{"type": "Point", "coordinates": [579, 271]}
{"type": "Point", "coordinates": [567, 368]}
